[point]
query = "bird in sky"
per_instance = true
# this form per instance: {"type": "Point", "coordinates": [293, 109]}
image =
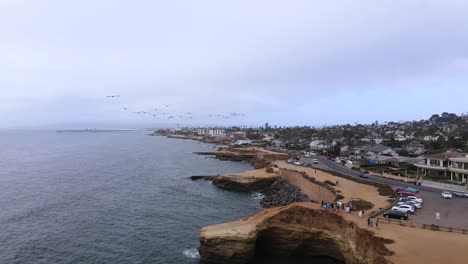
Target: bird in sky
{"type": "Point", "coordinates": [124, 108]}
{"type": "Point", "coordinates": [166, 105]}
{"type": "Point", "coordinates": [170, 117]}
{"type": "Point", "coordinates": [112, 96]}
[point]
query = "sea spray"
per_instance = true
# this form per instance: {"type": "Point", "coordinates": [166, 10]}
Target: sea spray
{"type": "Point", "coordinates": [191, 253]}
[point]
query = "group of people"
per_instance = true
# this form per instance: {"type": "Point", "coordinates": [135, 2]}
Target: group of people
{"type": "Point", "coordinates": [338, 205]}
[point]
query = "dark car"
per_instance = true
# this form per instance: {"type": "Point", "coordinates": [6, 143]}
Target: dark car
{"type": "Point", "coordinates": [396, 215]}
{"type": "Point", "coordinates": [364, 175]}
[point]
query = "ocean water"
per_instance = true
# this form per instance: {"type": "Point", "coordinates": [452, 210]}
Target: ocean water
{"type": "Point", "coordinates": [115, 197]}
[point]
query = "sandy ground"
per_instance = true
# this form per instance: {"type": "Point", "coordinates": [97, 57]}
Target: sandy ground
{"type": "Point", "coordinates": [351, 190]}
{"type": "Point", "coordinates": [415, 245]}
{"type": "Point", "coordinates": [252, 175]}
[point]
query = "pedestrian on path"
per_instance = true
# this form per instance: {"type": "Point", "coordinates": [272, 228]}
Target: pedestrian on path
{"type": "Point", "coordinates": [369, 222]}
{"type": "Point", "coordinates": [377, 223]}
{"type": "Point", "coordinates": [322, 204]}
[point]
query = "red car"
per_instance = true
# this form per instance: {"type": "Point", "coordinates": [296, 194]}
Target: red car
{"type": "Point", "coordinates": [400, 189]}
{"type": "Point", "coordinates": [406, 194]}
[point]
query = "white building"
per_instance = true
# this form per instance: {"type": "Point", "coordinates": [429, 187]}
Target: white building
{"type": "Point", "coordinates": [317, 144]}
{"type": "Point", "coordinates": [211, 132]}
{"type": "Point", "coordinates": [243, 142]}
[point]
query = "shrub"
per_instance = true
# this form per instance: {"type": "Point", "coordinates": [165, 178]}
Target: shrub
{"type": "Point", "coordinates": [329, 183]}
{"type": "Point", "coordinates": [361, 205]}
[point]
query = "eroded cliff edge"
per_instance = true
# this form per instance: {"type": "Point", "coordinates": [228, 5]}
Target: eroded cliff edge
{"type": "Point", "coordinates": [299, 229]}
{"type": "Point", "coordinates": [258, 157]}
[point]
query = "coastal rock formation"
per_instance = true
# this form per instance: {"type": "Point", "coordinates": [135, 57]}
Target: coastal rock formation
{"type": "Point", "coordinates": [258, 157]}
{"type": "Point", "coordinates": [250, 181]}
{"type": "Point", "coordinates": [300, 229]}
{"type": "Point", "coordinates": [281, 193]}
{"type": "Point", "coordinates": [203, 177]}
{"type": "Point", "coordinates": [241, 183]}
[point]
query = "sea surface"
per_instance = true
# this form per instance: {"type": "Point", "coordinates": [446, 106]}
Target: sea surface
{"type": "Point", "coordinates": [114, 197]}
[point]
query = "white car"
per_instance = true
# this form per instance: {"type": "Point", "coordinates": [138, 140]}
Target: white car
{"type": "Point", "coordinates": [412, 203]}
{"type": "Point", "coordinates": [405, 208]}
{"type": "Point", "coordinates": [315, 161]}
{"type": "Point", "coordinates": [447, 195]}
{"type": "Point", "coordinates": [412, 198]}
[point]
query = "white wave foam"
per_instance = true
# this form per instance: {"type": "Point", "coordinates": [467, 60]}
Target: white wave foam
{"type": "Point", "coordinates": [258, 196]}
{"type": "Point", "coordinates": [191, 253]}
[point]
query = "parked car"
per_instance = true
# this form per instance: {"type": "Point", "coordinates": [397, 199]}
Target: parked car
{"type": "Point", "coordinates": [412, 198]}
{"type": "Point", "coordinates": [404, 208]}
{"type": "Point", "coordinates": [415, 204]}
{"type": "Point", "coordinates": [399, 189]}
{"type": "Point", "coordinates": [396, 215]}
{"type": "Point", "coordinates": [407, 194]}
{"type": "Point", "coordinates": [315, 161]}
{"type": "Point", "coordinates": [412, 190]}
{"type": "Point", "coordinates": [458, 194]}
{"type": "Point", "coordinates": [364, 175]}
{"type": "Point", "coordinates": [447, 195]}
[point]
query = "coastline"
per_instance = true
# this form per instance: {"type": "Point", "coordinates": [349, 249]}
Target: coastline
{"type": "Point", "coordinates": [388, 244]}
{"type": "Point", "coordinates": [397, 246]}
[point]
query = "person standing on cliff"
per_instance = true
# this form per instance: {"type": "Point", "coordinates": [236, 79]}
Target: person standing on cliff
{"type": "Point", "coordinates": [377, 223]}
{"type": "Point", "coordinates": [369, 222]}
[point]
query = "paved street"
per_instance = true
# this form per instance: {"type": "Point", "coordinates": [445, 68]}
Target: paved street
{"type": "Point", "coordinates": [453, 212]}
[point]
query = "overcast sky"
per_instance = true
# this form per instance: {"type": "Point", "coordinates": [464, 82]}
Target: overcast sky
{"type": "Point", "coordinates": [282, 62]}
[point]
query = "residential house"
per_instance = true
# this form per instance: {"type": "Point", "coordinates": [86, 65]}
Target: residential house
{"type": "Point", "coordinates": [378, 150]}
{"type": "Point", "coordinates": [317, 145]}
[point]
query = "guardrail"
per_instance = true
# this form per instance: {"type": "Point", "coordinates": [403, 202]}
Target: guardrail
{"type": "Point", "coordinates": [423, 226]}
{"type": "Point", "coordinates": [444, 228]}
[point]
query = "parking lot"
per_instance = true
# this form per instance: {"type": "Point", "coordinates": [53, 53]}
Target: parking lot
{"type": "Point", "coordinates": [453, 212]}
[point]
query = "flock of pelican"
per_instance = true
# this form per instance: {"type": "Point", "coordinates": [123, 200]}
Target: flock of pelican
{"type": "Point", "coordinates": [162, 112]}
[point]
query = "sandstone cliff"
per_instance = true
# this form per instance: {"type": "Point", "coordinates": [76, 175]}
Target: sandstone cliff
{"type": "Point", "coordinates": [258, 157]}
{"type": "Point", "coordinates": [300, 229]}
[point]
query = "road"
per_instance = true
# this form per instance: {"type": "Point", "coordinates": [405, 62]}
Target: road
{"type": "Point", "coordinates": [453, 212]}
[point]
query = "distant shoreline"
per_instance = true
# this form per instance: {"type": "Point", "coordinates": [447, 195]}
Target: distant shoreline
{"type": "Point", "coordinates": [97, 130]}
